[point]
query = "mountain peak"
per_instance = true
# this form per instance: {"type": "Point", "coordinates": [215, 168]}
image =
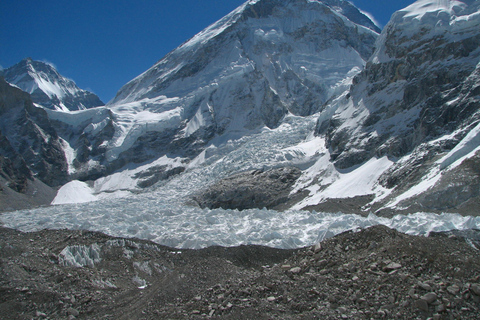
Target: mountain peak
{"type": "Point", "coordinates": [437, 13]}
{"type": "Point", "coordinates": [48, 88]}
{"type": "Point", "coordinates": [342, 7]}
{"type": "Point", "coordinates": [264, 60]}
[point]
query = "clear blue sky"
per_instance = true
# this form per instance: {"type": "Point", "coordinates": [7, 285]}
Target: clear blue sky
{"type": "Point", "coordinates": [102, 44]}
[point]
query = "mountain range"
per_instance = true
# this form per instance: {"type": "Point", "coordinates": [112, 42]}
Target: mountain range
{"type": "Point", "coordinates": [288, 104]}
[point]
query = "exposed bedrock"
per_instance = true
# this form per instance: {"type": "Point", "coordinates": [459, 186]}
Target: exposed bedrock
{"type": "Point", "coordinates": [252, 189]}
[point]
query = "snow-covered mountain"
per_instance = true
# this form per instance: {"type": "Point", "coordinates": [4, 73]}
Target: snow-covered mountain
{"type": "Point", "coordinates": [411, 116]}
{"type": "Point", "coordinates": [48, 88]}
{"type": "Point", "coordinates": [305, 100]}
{"type": "Point", "coordinates": [296, 106]}
{"type": "Point", "coordinates": [263, 61]}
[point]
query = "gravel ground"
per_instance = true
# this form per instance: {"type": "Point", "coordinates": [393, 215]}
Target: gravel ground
{"type": "Point", "coordinates": [375, 273]}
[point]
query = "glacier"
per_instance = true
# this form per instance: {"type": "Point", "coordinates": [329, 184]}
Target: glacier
{"type": "Point", "coordinates": [163, 214]}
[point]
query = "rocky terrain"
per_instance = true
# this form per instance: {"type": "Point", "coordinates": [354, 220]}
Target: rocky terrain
{"type": "Point", "coordinates": [252, 189]}
{"type": "Point", "coordinates": [376, 273]}
{"type": "Point", "coordinates": [31, 155]}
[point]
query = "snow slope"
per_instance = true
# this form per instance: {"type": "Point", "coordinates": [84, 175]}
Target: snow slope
{"type": "Point", "coordinates": [74, 192]}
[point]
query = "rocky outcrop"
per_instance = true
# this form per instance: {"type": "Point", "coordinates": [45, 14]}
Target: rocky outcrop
{"type": "Point", "coordinates": [253, 189]}
{"type": "Point", "coordinates": [31, 135]}
{"type": "Point", "coordinates": [13, 167]}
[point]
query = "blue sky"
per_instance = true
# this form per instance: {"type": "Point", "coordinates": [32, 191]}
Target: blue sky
{"type": "Point", "coordinates": [102, 44]}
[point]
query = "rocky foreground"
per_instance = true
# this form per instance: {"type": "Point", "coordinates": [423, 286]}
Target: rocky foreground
{"type": "Point", "coordinates": [374, 273]}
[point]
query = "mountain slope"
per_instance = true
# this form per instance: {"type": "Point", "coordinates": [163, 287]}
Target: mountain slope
{"type": "Point", "coordinates": [244, 73]}
{"type": "Point", "coordinates": [388, 128]}
{"type": "Point", "coordinates": [416, 105]}
{"type": "Point", "coordinates": [48, 88]}
{"type": "Point", "coordinates": [30, 152]}
{"type": "Point", "coordinates": [264, 60]}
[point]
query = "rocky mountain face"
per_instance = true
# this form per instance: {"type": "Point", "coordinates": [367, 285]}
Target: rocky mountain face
{"type": "Point", "coordinates": [417, 103]}
{"type": "Point", "coordinates": [48, 88]}
{"type": "Point", "coordinates": [30, 154]}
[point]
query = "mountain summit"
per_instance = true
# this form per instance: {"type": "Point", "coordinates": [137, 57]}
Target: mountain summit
{"type": "Point", "coordinates": [264, 60]}
{"type": "Point", "coordinates": [48, 88]}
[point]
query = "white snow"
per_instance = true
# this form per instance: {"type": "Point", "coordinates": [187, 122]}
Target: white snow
{"type": "Point", "coordinates": [117, 185]}
{"type": "Point", "coordinates": [74, 192]}
{"type": "Point", "coordinates": [77, 118]}
{"type": "Point", "coordinates": [50, 82]}
{"type": "Point", "coordinates": [452, 19]}
{"type": "Point", "coordinates": [50, 89]}
{"type": "Point", "coordinates": [135, 119]}
{"type": "Point", "coordinates": [332, 183]}
{"type": "Point", "coordinates": [70, 154]}
{"type": "Point", "coordinates": [465, 149]}
{"type": "Point", "coordinates": [126, 179]}
{"type": "Point", "coordinates": [420, 8]}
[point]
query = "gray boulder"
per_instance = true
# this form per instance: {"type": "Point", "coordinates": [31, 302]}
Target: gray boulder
{"type": "Point", "coordinates": [252, 189]}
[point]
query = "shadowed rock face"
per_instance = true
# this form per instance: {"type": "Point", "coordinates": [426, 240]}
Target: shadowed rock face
{"type": "Point", "coordinates": [251, 189]}
{"type": "Point", "coordinates": [31, 157]}
{"type": "Point", "coordinates": [29, 138]}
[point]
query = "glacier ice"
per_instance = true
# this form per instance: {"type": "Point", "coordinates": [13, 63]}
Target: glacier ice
{"type": "Point", "coordinates": [80, 256]}
{"type": "Point", "coordinates": [163, 215]}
